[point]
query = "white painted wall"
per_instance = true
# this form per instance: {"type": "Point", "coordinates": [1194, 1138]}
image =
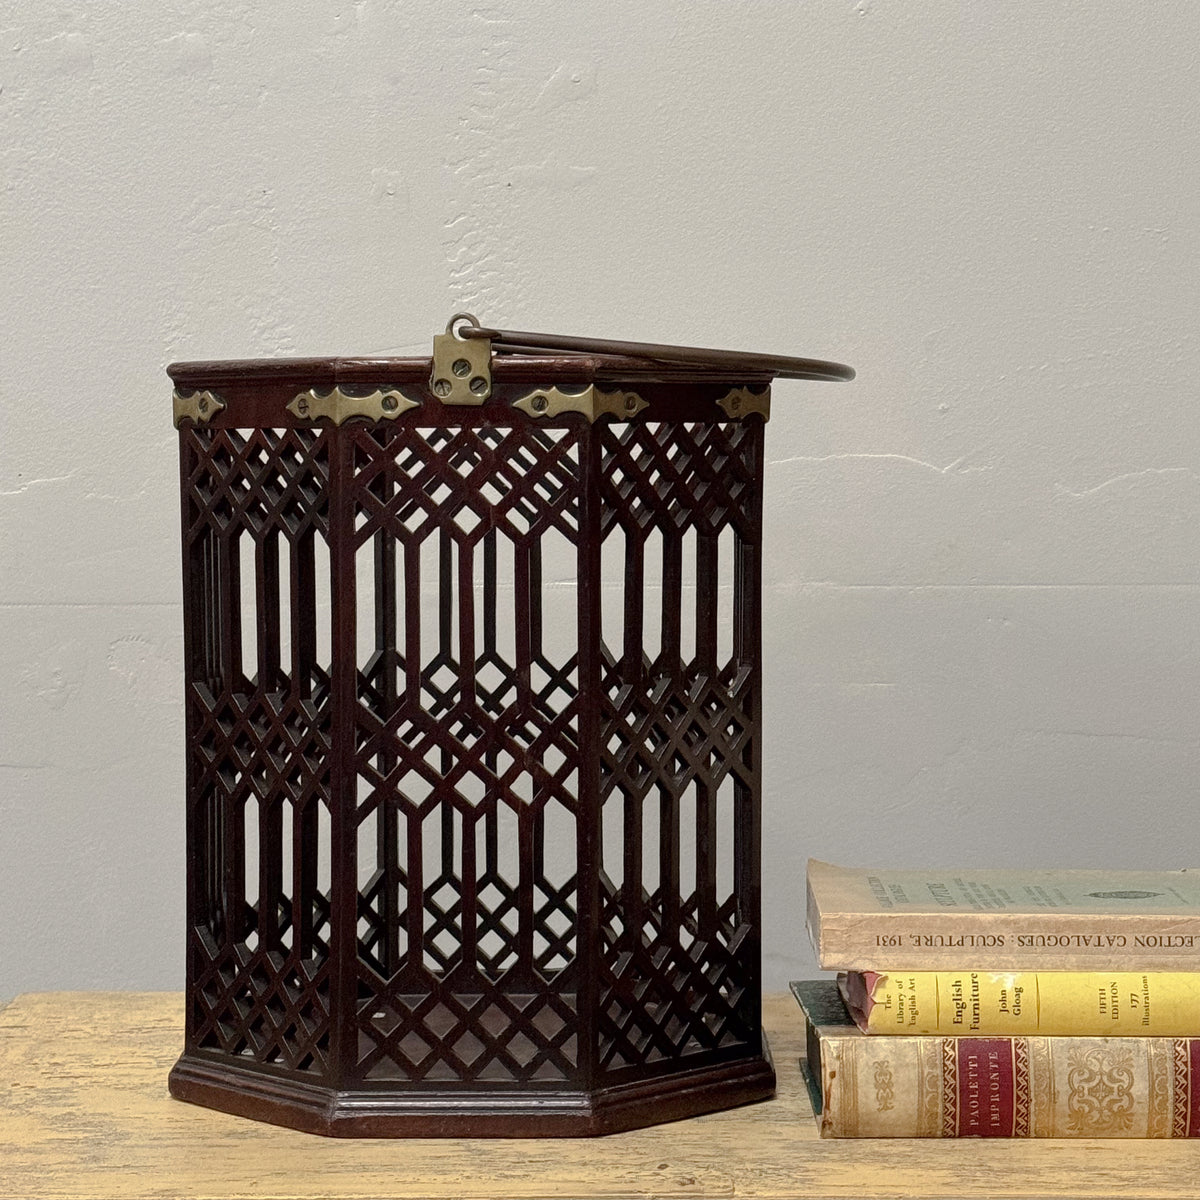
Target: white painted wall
{"type": "Point", "coordinates": [983, 589]}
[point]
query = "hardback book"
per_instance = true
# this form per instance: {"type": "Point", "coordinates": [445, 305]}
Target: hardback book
{"type": "Point", "coordinates": [1007, 1003]}
{"type": "Point", "coordinates": [1010, 1087]}
{"type": "Point", "coordinates": [928, 920]}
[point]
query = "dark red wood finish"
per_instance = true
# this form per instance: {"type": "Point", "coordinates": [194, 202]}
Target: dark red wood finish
{"type": "Point", "coordinates": [473, 768]}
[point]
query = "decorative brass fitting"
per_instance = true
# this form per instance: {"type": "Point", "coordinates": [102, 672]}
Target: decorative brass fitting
{"type": "Point", "coordinates": [592, 402]}
{"type": "Point", "coordinates": [462, 367]}
{"type": "Point", "coordinates": [199, 406]}
{"type": "Point", "coordinates": [742, 402]}
{"type": "Point", "coordinates": [338, 407]}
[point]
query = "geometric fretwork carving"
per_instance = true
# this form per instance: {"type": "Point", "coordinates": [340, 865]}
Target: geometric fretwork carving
{"type": "Point", "coordinates": [679, 956]}
{"type": "Point", "coordinates": [466, 734]}
{"type": "Point", "coordinates": [473, 710]}
{"type": "Point", "coordinates": [258, 745]}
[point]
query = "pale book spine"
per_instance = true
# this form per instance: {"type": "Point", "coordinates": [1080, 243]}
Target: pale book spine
{"type": "Point", "coordinates": [1005, 941]}
{"type": "Point", "coordinates": [937, 1087]}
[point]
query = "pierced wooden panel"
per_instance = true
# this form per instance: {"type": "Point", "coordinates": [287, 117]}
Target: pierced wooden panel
{"type": "Point", "coordinates": [473, 768]}
{"type": "Point", "coordinates": [679, 971]}
{"type": "Point", "coordinates": [466, 754]}
{"type": "Point", "coordinates": [255, 516]}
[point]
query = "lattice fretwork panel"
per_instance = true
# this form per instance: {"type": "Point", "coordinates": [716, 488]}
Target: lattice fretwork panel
{"type": "Point", "coordinates": [466, 752]}
{"type": "Point", "coordinates": [258, 718]}
{"type": "Point", "coordinates": [679, 755]}
{"type": "Point", "coordinates": [473, 744]}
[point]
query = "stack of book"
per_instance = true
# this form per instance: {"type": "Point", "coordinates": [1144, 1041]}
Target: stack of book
{"type": "Point", "coordinates": [1004, 1004]}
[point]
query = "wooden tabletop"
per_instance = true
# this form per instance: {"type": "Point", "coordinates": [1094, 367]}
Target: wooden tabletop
{"type": "Point", "coordinates": [84, 1112]}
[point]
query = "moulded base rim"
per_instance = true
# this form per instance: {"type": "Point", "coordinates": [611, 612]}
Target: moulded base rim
{"type": "Point", "coordinates": [521, 1112]}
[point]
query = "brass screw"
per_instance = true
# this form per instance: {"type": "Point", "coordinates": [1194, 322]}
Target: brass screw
{"type": "Point", "coordinates": [461, 367]}
{"type": "Point", "coordinates": [631, 403]}
{"type": "Point", "coordinates": [478, 385]}
{"type": "Point", "coordinates": [539, 403]}
{"type": "Point", "coordinates": [202, 405]}
{"type": "Point", "coordinates": [442, 387]}
{"type": "Point", "coordinates": [390, 403]}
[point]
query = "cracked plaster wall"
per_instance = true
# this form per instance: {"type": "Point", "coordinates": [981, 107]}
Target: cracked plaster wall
{"type": "Point", "coordinates": [983, 570]}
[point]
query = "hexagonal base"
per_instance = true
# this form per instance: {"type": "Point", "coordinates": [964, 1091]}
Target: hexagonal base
{"type": "Point", "coordinates": [525, 1112]}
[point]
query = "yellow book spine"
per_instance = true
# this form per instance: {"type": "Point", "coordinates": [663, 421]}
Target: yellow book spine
{"type": "Point", "coordinates": [1049, 1003]}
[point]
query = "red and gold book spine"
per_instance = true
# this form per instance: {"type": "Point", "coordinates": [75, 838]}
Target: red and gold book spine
{"type": "Point", "coordinates": [948, 1087]}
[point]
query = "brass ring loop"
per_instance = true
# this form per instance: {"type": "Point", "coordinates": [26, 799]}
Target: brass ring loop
{"type": "Point", "coordinates": [460, 317]}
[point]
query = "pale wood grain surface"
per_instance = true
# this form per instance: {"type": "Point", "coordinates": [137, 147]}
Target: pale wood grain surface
{"type": "Point", "coordinates": [84, 1112]}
